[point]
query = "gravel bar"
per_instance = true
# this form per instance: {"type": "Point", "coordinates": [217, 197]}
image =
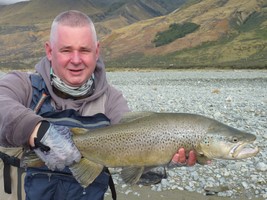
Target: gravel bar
{"type": "Point", "coordinates": [235, 97]}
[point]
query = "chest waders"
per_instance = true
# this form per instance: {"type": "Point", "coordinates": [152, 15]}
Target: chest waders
{"type": "Point", "coordinates": [41, 105]}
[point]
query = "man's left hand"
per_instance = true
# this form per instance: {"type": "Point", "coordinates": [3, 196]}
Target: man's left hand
{"type": "Point", "coordinates": [180, 158]}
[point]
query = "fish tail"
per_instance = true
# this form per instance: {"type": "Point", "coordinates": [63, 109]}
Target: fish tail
{"type": "Point", "coordinates": [30, 159]}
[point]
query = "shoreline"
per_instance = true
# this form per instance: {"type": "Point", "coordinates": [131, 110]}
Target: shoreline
{"type": "Point", "coordinates": [145, 193]}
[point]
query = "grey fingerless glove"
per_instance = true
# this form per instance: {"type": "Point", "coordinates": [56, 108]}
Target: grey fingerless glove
{"type": "Point", "coordinates": [55, 146]}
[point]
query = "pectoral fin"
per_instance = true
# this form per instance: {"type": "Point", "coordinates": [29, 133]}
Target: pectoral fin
{"type": "Point", "coordinates": [201, 159]}
{"type": "Point", "coordinates": [86, 171]}
{"type": "Point", "coordinates": [131, 175]}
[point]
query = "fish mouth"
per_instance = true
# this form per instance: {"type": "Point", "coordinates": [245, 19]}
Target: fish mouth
{"type": "Point", "coordinates": [243, 150]}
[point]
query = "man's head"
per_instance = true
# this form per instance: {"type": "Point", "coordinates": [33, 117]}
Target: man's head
{"type": "Point", "coordinates": [73, 48]}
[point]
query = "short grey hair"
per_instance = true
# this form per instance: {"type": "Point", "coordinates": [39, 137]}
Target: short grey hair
{"type": "Point", "coordinates": [72, 18]}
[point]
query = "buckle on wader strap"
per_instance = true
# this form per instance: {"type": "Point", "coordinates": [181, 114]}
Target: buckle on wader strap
{"type": "Point", "coordinates": [8, 162]}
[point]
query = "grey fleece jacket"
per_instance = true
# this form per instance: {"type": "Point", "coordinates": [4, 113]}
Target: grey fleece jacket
{"type": "Point", "coordinates": [17, 121]}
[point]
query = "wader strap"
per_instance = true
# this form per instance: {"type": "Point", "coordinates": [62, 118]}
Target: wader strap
{"type": "Point", "coordinates": [19, 186]}
{"type": "Point", "coordinates": [8, 161]}
{"type": "Point", "coordinates": [7, 178]}
{"type": "Point", "coordinates": [112, 186]}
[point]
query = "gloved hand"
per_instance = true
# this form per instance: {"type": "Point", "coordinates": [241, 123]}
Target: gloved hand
{"type": "Point", "coordinates": [55, 147]}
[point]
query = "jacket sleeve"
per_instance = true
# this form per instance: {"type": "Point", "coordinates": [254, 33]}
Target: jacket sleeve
{"type": "Point", "coordinates": [17, 120]}
{"type": "Point", "coordinates": [116, 105]}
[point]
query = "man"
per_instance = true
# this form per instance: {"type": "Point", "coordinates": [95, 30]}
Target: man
{"type": "Point", "coordinates": [69, 82]}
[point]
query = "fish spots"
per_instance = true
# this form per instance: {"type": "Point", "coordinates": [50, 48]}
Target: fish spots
{"type": "Point", "coordinates": [206, 141]}
{"type": "Point", "coordinates": [154, 139]}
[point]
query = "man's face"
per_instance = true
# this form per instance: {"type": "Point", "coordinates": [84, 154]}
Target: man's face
{"type": "Point", "coordinates": [73, 54]}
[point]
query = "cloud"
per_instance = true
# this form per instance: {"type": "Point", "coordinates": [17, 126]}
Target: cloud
{"type": "Point", "coordinates": [6, 2]}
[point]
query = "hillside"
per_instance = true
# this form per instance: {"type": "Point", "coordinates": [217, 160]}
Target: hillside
{"type": "Point", "coordinates": [230, 32]}
{"type": "Point", "coordinates": [24, 27]}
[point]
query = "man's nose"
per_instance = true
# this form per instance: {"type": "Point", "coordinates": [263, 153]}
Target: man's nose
{"type": "Point", "coordinates": [76, 58]}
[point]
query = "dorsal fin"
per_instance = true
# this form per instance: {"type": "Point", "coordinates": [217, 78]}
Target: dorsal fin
{"type": "Point", "coordinates": [132, 116]}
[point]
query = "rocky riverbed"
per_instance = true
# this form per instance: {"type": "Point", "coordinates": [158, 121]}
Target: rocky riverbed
{"type": "Point", "coordinates": [235, 97]}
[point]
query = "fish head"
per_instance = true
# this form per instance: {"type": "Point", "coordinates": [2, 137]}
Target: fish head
{"type": "Point", "coordinates": [225, 142]}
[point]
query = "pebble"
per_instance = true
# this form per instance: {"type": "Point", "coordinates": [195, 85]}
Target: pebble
{"type": "Point", "coordinates": [128, 191]}
{"type": "Point", "coordinates": [164, 183]}
{"type": "Point", "coordinates": [261, 166]}
{"type": "Point", "coordinates": [245, 185]}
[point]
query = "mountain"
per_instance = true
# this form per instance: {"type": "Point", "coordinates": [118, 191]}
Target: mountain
{"type": "Point", "coordinates": [44, 11]}
{"type": "Point", "coordinates": [231, 33]}
{"type": "Point", "coordinates": [146, 33]}
{"type": "Point", "coordinates": [24, 26]}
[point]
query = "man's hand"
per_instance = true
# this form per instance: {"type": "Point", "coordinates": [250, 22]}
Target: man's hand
{"type": "Point", "coordinates": [54, 145]}
{"type": "Point", "coordinates": [180, 158]}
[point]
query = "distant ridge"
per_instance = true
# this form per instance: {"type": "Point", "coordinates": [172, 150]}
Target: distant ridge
{"type": "Point", "coordinates": [231, 34]}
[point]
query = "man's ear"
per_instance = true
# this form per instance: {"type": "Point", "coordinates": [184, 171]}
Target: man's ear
{"type": "Point", "coordinates": [97, 51]}
{"type": "Point", "coordinates": [48, 51]}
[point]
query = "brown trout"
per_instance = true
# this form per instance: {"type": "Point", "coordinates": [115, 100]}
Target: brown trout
{"type": "Point", "coordinates": [151, 140]}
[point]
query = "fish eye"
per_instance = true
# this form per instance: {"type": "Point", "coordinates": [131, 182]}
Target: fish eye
{"type": "Point", "coordinates": [234, 139]}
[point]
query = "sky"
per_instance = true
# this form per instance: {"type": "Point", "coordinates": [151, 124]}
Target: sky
{"type": "Point", "coordinates": [5, 2]}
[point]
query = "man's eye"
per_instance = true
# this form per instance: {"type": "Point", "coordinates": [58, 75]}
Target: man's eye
{"type": "Point", "coordinates": [65, 50]}
{"type": "Point", "coordinates": [85, 50]}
